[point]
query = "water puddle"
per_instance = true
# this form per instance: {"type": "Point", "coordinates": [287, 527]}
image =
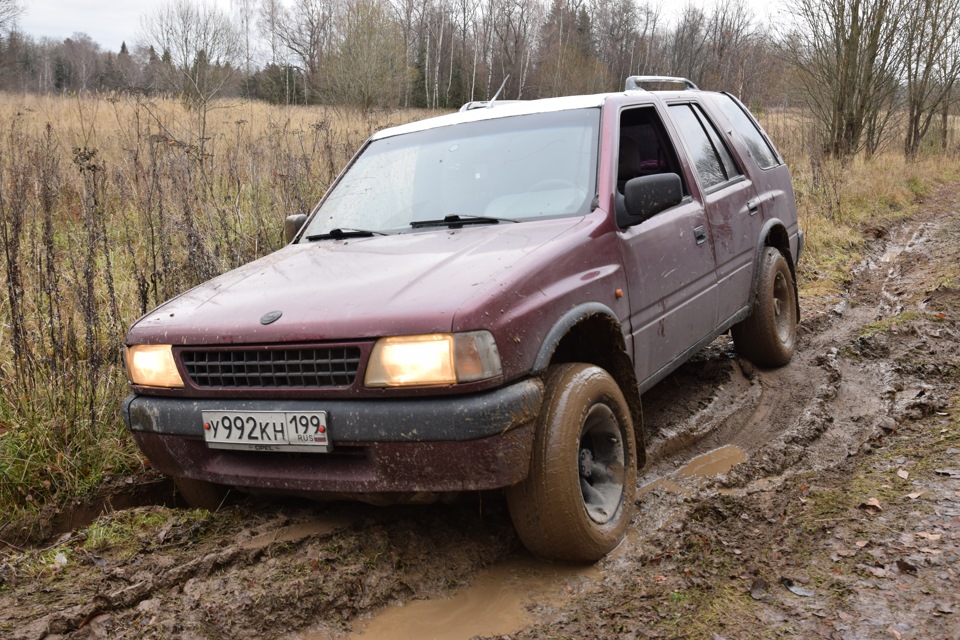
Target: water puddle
{"type": "Point", "coordinates": [496, 603]}
{"type": "Point", "coordinates": [708, 465]}
{"type": "Point", "coordinates": [714, 462]}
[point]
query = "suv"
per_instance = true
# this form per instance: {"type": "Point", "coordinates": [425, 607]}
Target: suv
{"type": "Point", "coordinates": [478, 302]}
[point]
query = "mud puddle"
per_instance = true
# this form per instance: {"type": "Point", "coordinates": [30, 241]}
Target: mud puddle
{"type": "Point", "coordinates": [502, 599]}
{"type": "Point", "coordinates": [710, 464]}
{"type": "Point", "coordinates": [499, 601]}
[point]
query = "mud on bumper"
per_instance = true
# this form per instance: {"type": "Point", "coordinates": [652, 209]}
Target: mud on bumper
{"type": "Point", "coordinates": [481, 441]}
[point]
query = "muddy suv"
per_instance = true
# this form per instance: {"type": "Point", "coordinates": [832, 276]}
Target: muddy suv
{"type": "Point", "coordinates": [477, 303]}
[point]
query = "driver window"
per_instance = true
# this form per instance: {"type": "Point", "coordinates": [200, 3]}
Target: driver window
{"type": "Point", "coordinates": [644, 150]}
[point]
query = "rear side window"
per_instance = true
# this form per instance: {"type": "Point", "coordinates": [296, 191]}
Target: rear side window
{"type": "Point", "coordinates": [711, 158]}
{"type": "Point", "coordinates": [760, 148]}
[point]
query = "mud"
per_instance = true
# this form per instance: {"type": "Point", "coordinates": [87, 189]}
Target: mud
{"type": "Point", "coordinates": [816, 500]}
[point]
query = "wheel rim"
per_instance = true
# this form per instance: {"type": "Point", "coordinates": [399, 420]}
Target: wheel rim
{"type": "Point", "coordinates": [782, 308]}
{"type": "Point", "coordinates": [601, 464]}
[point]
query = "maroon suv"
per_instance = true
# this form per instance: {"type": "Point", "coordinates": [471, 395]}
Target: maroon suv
{"type": "Point", "coordinates": [478, 302]}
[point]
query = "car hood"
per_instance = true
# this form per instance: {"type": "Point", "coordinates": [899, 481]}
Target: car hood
{"type": "Point", "coordinates": [353, 288]}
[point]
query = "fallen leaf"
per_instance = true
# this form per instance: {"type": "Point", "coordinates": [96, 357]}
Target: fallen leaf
{"type": "Point", "coordinates": [944, 607]}
{"type": "Point", "coordinates": [893, 632]}
{"type": "Point", "coordinates": [906, 567]}
{"type": "Point", "coordinates": [878, 572]}
{"type": "Point", "coordinates": [758, 590]}
{"type": "Point", "coordinates": [862, 543]}
{"type": "Point", "coordinates": [929, 536]}
{"type": "Point", "coordinates": [872, 503]}
{"type": "Point", "coordinates": [915, 495]}
{"type": "Point", "coordinates": [660, 579]}
{"type": "Point", "coordinates": [950, 473]}
{"type": "Point", "coordinates": [795, 589]}
{"type": "Point", "coordinates": [903, 474]}
{"type": "Point", "coordinates": [933, 552]}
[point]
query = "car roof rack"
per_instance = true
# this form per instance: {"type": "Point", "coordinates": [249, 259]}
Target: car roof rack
{"type": "Point", "coordinates": [636, 83]}
{"type": "Point", "coordinates": [486, 104]}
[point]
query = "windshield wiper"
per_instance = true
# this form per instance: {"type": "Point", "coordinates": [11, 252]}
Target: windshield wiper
{"type": "Point", "coordinates": [346, 232]}
{"type": "Point", "coordinates": [458, 219]}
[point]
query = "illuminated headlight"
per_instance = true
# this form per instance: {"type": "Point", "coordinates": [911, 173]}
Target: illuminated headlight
{"type": "Point", "coordinates": [439, 358]}
{"type": "Point", "coordinates": [152, 365]}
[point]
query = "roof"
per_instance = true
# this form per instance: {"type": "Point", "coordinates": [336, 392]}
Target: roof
{"type": "Point", "coordinates": [505, 110]}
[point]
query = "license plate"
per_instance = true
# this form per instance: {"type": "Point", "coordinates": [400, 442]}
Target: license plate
{"type": "Point", "coordinates": [266, 430]}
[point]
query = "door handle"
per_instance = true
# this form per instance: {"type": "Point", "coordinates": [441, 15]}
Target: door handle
{"type": "Point", "coordinates": [753, 206]}
{"type": "Point", "coordinates": [700, 234]}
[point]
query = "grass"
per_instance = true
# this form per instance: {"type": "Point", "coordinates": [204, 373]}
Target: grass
{"type": "Point", "coordinates": [110, 205]}
{"type": "Point", "coordinates": [108, 208]}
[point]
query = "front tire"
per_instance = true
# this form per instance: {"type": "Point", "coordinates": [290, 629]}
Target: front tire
{"type": "Point", "coordinates": [578, 500]}
{"type": "Point", "coordinates": [768, 337]}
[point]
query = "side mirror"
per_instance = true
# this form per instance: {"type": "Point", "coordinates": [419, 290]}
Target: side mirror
{"type": "Point", "coordinates": [292, 225]}
{"type": "Point", "coordinates": [646, 196]}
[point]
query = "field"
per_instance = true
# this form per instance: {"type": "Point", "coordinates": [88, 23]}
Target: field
{"type": "Point", "coordinates": [109, 206]}
{"type": "Point", "coordinates": [840, 519]}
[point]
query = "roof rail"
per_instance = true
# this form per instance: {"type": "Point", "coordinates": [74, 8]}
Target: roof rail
{"type": "Point", "coordinates": [635, 83]}
{"type": "Point", "coordinates": [486, 104]}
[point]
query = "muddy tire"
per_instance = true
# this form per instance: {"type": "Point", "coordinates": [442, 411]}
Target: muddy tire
{"type": "Point", "coordinates": [200, 494]}
{"type": "Point", "coordinates": [578, 499]}
{"type": "Point", "coordinates": [768, 337]}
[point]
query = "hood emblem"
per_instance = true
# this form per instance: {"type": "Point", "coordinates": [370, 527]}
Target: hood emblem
{"type": "Point", "coordinates": [270, 317]}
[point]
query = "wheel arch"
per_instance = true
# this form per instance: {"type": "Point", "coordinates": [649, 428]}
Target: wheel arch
{"type": "Point", "coordinates": [774, 234]}
{"type": "Point", "coordinates": [591, 333]}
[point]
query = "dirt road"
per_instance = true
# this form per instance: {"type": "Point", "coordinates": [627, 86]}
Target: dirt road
{"type": "Point", "coordinates": [818, 500]}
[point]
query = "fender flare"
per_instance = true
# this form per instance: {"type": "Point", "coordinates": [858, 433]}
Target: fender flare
{"type": "Point", "coordinates": [562, 327]}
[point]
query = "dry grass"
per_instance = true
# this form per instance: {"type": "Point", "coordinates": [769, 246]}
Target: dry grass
{"type": "Point", "coordinates": [108, 206]}
{"type": "Point", "coordinates": [111, 205]}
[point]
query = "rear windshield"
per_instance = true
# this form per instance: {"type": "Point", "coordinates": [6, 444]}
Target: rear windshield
{"type": "Point", "coordinates": [521, 167]}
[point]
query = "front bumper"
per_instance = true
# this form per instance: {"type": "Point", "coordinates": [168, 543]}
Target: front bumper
{"type": "Point", "coordinates": [481, 441]}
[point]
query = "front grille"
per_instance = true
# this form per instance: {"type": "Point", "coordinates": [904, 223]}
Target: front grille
{"type": "Point", "coordinates": [273, 368]}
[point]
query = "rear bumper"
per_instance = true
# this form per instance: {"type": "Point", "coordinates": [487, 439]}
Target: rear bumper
{"type": "Point", "coordinates": [475, 442]}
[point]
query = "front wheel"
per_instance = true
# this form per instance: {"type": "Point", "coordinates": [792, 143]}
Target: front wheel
{"type": "Point", "coordinates": [768, 337]}
{"type": "Point", "coordinates": [578, 499]}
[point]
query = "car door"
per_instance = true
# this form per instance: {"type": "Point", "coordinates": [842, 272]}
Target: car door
{"type": "Point", "coordinates": [668, 259]}
{"type": "Point", "coordinates": [731, 203]}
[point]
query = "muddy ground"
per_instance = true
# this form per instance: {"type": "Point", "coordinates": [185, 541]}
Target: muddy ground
{"type": "Point", "coordinates": [840, 517]}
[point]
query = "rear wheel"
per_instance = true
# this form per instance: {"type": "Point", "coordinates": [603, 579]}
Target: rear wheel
{"type": "Point", "coordinates": [768, 336]}
{"type": "Point", "coordinates": [578, 499]}
{"type": "Point", "coordinates": [201, 494]}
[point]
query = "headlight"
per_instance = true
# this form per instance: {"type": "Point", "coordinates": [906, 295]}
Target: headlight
{"type": "Point", "coordinates": [440, 358]}
{"type": "Point", "coordinates": [152, 365]}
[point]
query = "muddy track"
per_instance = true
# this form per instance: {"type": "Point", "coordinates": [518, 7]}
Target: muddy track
{"type": "Point", "coordinates": [292, 569]}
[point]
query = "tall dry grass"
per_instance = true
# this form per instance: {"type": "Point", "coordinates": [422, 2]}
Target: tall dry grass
{"type": "Point", "coordinates": [843, 203]}
{"type": "Point", "coordinates": [109, 206]}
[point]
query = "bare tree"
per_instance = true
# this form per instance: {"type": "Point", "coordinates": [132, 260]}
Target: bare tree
{"type": "Point", "coordinates": [847, 56]}
{"type": "Point", "coordinates": [931, 65]}
{"type": "Point", "coordinates": [306, 31]}
{"type": "Point", "coordinates": [367, 67]}
{"type": "Point", "coordinates": [9, 11]}
{"type": "Point", "coordinates": [200, 48]}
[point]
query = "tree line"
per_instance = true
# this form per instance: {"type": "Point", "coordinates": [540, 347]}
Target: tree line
{"type": "Point", "coordinates": [868, 71]}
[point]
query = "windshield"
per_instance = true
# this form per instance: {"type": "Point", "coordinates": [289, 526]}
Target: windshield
{"type": "Point", "coordinates": [515, 168]}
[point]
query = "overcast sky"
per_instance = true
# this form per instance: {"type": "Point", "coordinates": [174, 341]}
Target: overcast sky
{"type": "Point", "coordinates": [110, 22]}
{"type": "Point", "coordinates": [107, 22]}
